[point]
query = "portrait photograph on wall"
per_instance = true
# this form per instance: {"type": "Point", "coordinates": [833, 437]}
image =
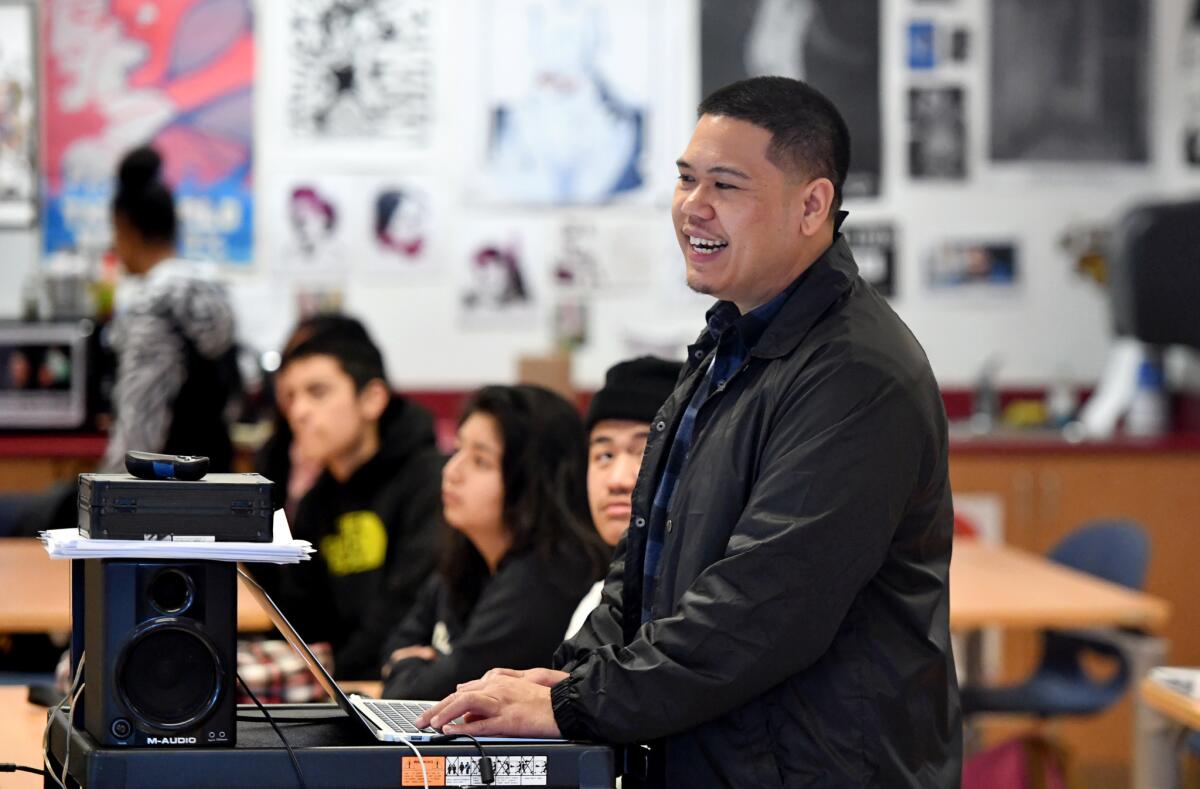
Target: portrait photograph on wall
{"type": "Point", "coordinates": [937, 133]}
{"type": "Point", "coordinates": [832, 44]}
{"type": "Point", "coordinates": [362, 70]}
{"type": "Point", "coordinates": [18, 115]}
{"type": "Point", "coordinates": [179, 76]}
{"type": "Point", "coordinates": [567, 89]}
{"type": "Point", "coordinates": [1069, 80]}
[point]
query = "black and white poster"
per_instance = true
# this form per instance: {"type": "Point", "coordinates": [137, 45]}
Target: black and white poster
{"type": "Point", "coordinates": [874, 248]}
{"type": "Point", "coordinates": [1070, 80]}
{"type": "Point", "coordinates": [831, 44]}
{"type": "Point", "coordinates": [937, 133]}
{"type": "Point", "coordinates": [1189, 80]}
{"type": "Point", "coordinates": [360, 70]}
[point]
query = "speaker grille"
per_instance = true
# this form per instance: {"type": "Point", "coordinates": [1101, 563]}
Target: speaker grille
{"type": "Point", "coordinates": [170, 676]}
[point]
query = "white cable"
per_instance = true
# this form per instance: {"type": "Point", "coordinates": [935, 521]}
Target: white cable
{"type": "Point", "coordinates": [70, 727]}
{"type": "Point", "coordinates": [420, 758]}
{"type": "Point", "coordinates": [50, 719]}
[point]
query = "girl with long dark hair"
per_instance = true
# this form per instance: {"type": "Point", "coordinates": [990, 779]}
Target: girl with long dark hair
{"type": "Point", "coordinates": [521, 550]}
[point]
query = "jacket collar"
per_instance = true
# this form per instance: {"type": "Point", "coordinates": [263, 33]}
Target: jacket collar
{"type": "Point", "coordinates": [824, 282]}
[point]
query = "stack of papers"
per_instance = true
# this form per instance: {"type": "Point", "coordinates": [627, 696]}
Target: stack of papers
{"type": "Point", "coordinates": [70, 544]}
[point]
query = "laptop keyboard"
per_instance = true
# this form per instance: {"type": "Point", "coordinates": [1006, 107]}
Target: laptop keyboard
{"type": "Point", "coordinates": [400, 715]}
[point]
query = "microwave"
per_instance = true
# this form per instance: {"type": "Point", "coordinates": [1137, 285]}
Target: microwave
{"type": "Point", "coordinates": [43, 374]}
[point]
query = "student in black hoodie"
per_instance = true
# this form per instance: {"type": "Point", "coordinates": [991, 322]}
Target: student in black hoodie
{"type": "Point", "coordinates": [372, 513]}
{"type": "Point", "coordinates": [521, 550]}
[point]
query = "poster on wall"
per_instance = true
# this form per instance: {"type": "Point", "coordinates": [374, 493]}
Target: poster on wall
{"type": "Point", "coordinates": [832, 44]}
{"type": "Point", "coordinates": [498, 267]}
{"type": "Point", "coordinates": [1069, 80]}
{"type": "Point", "coordinates": [178, 75]}
{"type": "Point", "coordinates": [400, 227]}
{"type": "Point", "coordinates": [18, 168]}
{"type": "Point", "coordinates": [937, 133]}
{"type": "Point", "coordinates": [1189, 80]}
{"type": "Point", "coordinates": [360, 70]}
{"type": "Point", "coordinates": [591, 257]}
{"type": "Point", "coordinates": [310, 228]}
{"type": "Point", "coordinates": [874, 248]}
{"type": "Point", "coordinates": [567, 90]}
{"type": "Point", "coordinates": [973, 265]}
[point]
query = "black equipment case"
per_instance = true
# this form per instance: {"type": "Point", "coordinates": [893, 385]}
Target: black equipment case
{"type": "Point", "coordinates": [219, 507]}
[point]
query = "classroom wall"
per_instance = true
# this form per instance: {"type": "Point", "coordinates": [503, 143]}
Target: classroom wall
{"type": "Point", "coordinates": [1053, 324]}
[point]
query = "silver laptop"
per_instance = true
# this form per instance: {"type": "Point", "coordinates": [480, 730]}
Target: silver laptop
{"type": "Point", "coordinates": [389, 720]}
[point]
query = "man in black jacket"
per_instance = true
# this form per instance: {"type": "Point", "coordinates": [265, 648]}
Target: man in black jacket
{"type": "Point", "coordinates": [777, 614]}
{"type": "Point", "coordinates": [373, 511]}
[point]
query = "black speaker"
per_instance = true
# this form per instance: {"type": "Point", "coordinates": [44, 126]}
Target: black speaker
{"type": "Point", "coordinates": [160, 661]}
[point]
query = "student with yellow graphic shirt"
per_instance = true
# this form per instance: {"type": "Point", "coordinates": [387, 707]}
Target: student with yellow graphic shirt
{"type": "Point", "coordinates": [521, 550]}
{"type": "Point", "coordinates": [372, 513]}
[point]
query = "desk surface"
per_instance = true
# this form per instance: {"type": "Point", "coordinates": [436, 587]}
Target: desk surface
{"type": "Point", "coordinates": [996, 585]}
{"type": "Point", "coordinates": [37, 596]}
{"type": "Point", "coordinates": [1179, 707]}
{"type": "Point", "coordinates": [21, 727]}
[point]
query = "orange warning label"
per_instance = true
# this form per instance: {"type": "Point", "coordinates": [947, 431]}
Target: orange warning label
{"type": "Point", "coordinates": [410, 771]}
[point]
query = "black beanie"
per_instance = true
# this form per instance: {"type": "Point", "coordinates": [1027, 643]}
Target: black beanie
{"type": "Point", "coordinates": [634, 390]}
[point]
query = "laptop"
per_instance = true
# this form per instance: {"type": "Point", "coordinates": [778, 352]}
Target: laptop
{"type": "Point", "coordinates": [389, 720]}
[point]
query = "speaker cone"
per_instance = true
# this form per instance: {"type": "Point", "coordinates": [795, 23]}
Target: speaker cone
{"type": "Point", "coordinates": [170, 675]}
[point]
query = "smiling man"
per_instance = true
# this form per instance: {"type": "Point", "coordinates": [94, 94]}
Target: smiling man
{"type": "Point", "coordinates": [777, 614]}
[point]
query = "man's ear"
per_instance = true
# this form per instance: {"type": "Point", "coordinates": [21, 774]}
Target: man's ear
{"type": "Point", "coordinates": [817, 206]}
{"type": "Point", "coordinates": [374, 398]}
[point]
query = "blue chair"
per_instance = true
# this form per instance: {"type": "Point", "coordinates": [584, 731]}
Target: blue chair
{"type": "Point", "coordinates": [1117, 551]}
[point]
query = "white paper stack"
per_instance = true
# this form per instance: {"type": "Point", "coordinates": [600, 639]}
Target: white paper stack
{"type": "Point", "coordinates": [70, 544]}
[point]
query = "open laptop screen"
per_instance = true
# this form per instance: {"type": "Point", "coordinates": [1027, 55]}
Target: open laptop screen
{"type": "Point", "coordinates": [293, 638]}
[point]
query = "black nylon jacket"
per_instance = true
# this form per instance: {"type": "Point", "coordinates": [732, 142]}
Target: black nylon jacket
{"type": "Point", "coordinates": [800, 630]}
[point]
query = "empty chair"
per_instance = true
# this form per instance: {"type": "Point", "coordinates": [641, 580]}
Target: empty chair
{"type": "Point", "coordinates": [1117, 551]}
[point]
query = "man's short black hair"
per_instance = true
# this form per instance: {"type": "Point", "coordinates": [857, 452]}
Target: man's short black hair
{"type": "Point", "coordinates": [808, 133]}
{"type": "Point", "coordinates": [341, 337]}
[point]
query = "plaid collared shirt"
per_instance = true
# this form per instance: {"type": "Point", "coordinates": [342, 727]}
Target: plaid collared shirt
{"type": "Point", "coordinates": [733, 335]}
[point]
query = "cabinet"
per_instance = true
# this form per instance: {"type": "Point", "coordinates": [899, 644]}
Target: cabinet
{"type": "Point", "coordinates": [1047, 489]}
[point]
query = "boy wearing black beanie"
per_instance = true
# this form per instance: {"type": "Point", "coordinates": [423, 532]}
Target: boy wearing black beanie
{"type": "Point", "coordinates": [618, 423]}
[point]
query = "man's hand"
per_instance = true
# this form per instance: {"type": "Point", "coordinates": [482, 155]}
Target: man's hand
{"type": "Point", "coordinates": [546, 677]}
{"type": "Point", "coordinates": [425, 653]}
{"type": "Point", "coordinates": [498, 704]}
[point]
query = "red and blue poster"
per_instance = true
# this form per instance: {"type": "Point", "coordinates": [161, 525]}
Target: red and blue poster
{"type": "Point", "coordinates": [178, 74]}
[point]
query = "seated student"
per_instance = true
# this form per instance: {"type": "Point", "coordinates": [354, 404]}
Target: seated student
{"type": "Point", "coordinates": [618, 423]}
{"type": "Point", "coordinates": [372, 512]}
{"type": "Point", "coordinates": [279, 458]}
{"type": "Point", "coordinates": [522, 551]}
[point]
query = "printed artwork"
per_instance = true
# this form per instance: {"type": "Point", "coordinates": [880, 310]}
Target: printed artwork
{"type": "Point", "coordinates": [362, 69]}
{"type": "Point", "coordinates": [18, 170]}
{"type": "Point", "coordinates": [1189, 78]}
{"type": "Point", "coordinates": [831, 44]}
{"type": "Point", "coordinates": [590, 257]}
{"type": "Point", "coordinates": [1070, 80]}
{"type": "Point", "coordinates": [567, 91]}
{"type": "Point", "coordinates": [401, 224]}
{"type": "Point", "coordinates": [312, 228]}
{"type": "Point", "coordinates": [874, 248]}
{"type": "Point", "coordinates": [937, 129]}
{"type": "Point", "coordinates": [500, 274]}
{"type": "Point", "coordinates": [179, 75]}
{"type": "Point", "coordinates": [976, 265]}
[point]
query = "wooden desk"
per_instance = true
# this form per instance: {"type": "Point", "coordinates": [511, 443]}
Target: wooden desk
{"type": "Point", "coordinates": [21, 727]}
{"type": "Point", "coordinates": [1165, 714]}
{"type": "Point", "coordinates": [1002, 586]}
{"type": "Point", "coordinates": [37, 597]}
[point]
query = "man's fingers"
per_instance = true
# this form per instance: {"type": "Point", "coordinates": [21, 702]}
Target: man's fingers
{"type": "Point", "coordinates": [478, 728]}
{"type": "Point", "coordinates": [478, 704]}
